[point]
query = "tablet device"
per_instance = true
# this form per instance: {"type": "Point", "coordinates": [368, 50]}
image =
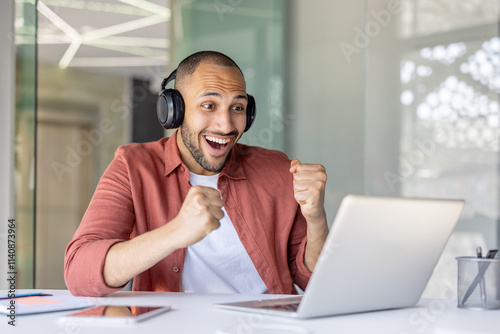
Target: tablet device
{"type": "Point", "coordinates": [114, 314]}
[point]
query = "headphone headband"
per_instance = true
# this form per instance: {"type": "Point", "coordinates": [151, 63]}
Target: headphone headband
{"type": "Point", "coordinates": [171, 77]}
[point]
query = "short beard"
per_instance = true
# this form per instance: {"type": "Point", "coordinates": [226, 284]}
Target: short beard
{"type": "Point", "coordinates": [190, 139]}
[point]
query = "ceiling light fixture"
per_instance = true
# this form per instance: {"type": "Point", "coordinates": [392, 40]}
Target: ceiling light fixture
{"type": "Point", "coordinates": [135, 50]}
{"type": "Point", "coordinates": [160, 43]}
{"type": "Point", "coordinates": [98, 6]}
{"type": "Point", "coordinates": [58, 22]}
{"type": "Point", "coordinates": [152, 7]}
{"type": "Point", "coordinates": [70, 53]}
{"type": "Point", "coordinates": [102, 37]}
{"type": "Point", "coordinates": [116, 61]}
{"type": "Point", "coordinates": [123, 27]}
{"type": "Point", "coordinates": [67, 29]}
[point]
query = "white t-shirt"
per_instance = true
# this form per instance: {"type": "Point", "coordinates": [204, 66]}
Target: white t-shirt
{"type": "Point", "coordinates": [219, 263]}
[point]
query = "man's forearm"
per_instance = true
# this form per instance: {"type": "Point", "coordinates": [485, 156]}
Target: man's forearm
{"type": "Point", "coordinates": [127, 259]}
{"type": "Point", "coordinates": [199, 215]}
{"type": "Point", "coordinates": [317, 233]}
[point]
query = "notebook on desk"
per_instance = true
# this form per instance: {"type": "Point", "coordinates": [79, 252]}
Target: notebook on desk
{"type": "Point", "coordinates": [379, 254]}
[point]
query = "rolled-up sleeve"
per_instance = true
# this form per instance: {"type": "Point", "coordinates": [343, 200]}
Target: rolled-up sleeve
{"type": "Point", "coordinates": [109, 219]}
{"type": "Point", "coordinates": [296, 251]}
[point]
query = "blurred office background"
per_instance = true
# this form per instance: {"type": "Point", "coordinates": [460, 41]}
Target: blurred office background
{"type": "Point", "coordinates": [393, 97]}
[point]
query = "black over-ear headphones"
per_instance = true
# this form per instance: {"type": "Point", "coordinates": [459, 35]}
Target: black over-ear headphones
{"type": "Point", "coordinates": [170, 106]}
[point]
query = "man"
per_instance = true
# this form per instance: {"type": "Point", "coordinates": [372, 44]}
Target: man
{"type": "Point", "coordinates": [197, 211]}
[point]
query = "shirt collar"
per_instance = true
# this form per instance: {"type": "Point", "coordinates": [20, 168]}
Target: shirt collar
{"type": "Point", "coordinates": [172, 157]}
{"type": "Point", "coordinates": [233, 168]}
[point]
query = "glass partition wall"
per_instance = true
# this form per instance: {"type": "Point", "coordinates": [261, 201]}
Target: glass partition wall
{"type": "Point", "coordinates": [432, 87]}
{"type": "Point", "coordinates": [98, 63]}
{"type": "Point", "coordinates": [78, 110]}
{"type": "Point", "coordinates": [252, 33]}
{"type": "Point", "coordinates": [25, 139]}
{"type": "Point", "coordinates": [75, 64]}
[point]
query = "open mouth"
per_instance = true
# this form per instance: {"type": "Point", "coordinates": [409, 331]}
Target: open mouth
{"type": "Point", "coordinates": [217, 143]}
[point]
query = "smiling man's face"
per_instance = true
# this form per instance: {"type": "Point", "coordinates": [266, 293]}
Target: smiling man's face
{"type": "Point", "coordinates": [215, 117]}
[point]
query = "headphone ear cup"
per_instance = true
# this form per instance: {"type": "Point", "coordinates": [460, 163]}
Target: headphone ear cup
{"type": "Point", "coordinates": [179, 109]}
{"type": "Point", "coordinates": [170, 108]}
{"type": "Point", "coordinates": [251, 112]}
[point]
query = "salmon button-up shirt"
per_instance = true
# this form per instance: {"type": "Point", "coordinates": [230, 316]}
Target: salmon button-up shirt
{"type": "Point", "coordinates": [144, 187]}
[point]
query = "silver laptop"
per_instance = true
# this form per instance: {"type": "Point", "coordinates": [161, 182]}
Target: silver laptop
{"type": "Point", "coordinates": [379, 254]}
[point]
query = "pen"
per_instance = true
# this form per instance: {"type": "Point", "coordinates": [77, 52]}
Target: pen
{"type": "Point", "coordinates": [479, 252]}
{"type": "Point", "coordinates": [480, 276]}
{"type": "Point", "coordinates": [482, 287]}
{"type": "Point", "coordinates": [491, 254]}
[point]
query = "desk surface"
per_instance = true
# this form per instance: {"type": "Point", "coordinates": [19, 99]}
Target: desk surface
{"type": "Point", "coordinates": [193, 313]}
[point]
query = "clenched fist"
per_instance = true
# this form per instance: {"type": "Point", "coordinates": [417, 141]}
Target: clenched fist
{"type": "Point", "coordinates": [309, 189]}
{"type": "Point", "coordinates": [309, 183]}
{"type": "Point", "coordinates": [199, 215]}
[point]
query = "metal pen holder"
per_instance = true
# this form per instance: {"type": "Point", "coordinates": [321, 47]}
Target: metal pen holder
{"type": "Point", "coordinates": [478, 283]}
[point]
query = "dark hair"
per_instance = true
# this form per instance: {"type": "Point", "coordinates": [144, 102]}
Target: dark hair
{"type": "Point", "coordinates": [190, 64]}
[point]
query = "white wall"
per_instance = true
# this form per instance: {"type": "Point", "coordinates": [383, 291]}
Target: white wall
{"type": "Point", "coordinates": [325, 93]}
{"type": "Point", "coordinates": [356, 132]}
{"type": "Point", "coordinates": [7, 52]}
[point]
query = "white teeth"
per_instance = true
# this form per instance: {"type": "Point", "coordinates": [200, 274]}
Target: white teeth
{"type": "Point", "coordinates": [218, 140]}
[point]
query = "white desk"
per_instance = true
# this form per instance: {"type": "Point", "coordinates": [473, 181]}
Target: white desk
{"type": "Point", "coordinates": [193, 313]}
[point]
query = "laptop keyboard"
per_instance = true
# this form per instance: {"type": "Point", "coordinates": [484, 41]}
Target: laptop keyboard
{"type": "Point", "coordinates": [281, 304]}
{"type": "Point", "coordinates": [285, 307]}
